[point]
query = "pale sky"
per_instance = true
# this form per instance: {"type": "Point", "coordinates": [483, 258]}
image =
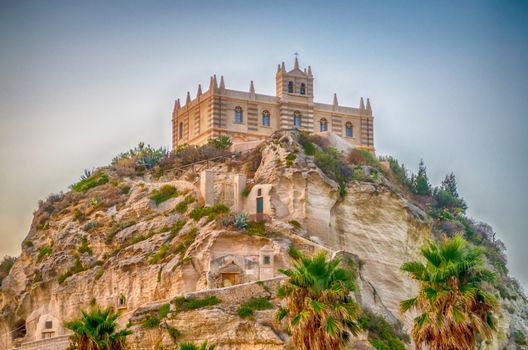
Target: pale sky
{"type": "Point", "coordinates": [81, 81]}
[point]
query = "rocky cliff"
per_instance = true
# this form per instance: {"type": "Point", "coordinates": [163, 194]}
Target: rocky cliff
{"type": "Point", "coordinates": [141, 240]}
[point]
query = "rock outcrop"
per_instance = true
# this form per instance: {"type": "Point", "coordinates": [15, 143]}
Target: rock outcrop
{"type": "Point", "coordinates": [113, 246]}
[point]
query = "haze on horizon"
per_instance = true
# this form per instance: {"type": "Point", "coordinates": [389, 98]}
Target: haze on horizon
{"type": "Point", "coordinates": [81, 82]}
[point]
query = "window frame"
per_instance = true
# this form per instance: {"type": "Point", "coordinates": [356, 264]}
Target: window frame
{"type": "Point", "coordinates": [322, 122]}
{"type": "Point", "coordinates": [302, 89]}
{"type": "Point", "coordinates": [349, 126]}
{"type": "Point", "coordinates": [239, 113]}
{"type": "Point", "coordinates": [266, 115]}
{"type": "Point", "coordinates": [297, 116]}
{"type": "Point", "coordinates": [266, 260]}
{"type": "Point", "coordinates": [291, 87]}
{"type": "Point", "coordinates": [180, 131]}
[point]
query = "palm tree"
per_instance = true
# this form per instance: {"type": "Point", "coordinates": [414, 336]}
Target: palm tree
{"type": "Point", "coordinates": [319, 311]}
{"type": "Point", "coordinates": [97, 330]}
{"type": "Point", "coordinates": [454, 308]}
{"type": "Point", "coordinates": [191, 346]}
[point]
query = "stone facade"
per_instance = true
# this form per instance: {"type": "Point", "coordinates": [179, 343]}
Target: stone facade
{"type": "Point", "coordinates": [248, 116]}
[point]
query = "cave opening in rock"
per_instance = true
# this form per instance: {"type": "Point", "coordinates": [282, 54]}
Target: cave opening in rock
{"type": "Point", "coordinates": [20, 329]}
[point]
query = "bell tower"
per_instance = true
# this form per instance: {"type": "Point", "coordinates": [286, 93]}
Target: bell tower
{"type": "Point", "coordinates": [295, 96]}
{"type": "Point", "coordinates": [295, 83]}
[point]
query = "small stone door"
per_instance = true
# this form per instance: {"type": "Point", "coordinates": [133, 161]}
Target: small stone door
{"type": "Point", "coordinates": [260, 205]}
{"type": "Point", "coordinates": [260, 208]}
{"type": "Point", "coordinates": [229, 279]}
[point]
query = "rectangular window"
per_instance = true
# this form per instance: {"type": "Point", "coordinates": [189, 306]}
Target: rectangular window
{"type": "Point", "coordinates": [49, 324]}
{"type": "Point", "coordinates": [267, 260]}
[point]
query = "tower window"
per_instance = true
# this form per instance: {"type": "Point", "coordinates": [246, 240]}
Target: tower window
{"type": "Point", "coordinates": [303, 89]}
{"type": "Point", "coordinates": [239, 118]}
{"type": "Point", "coordinates": [290, 87]}
{"type": "Point", "coordinates": [266, 118]}
{"type": "Point", "coordinates": [323, 125]}
{"type": "Point", "coordinates": [297, 119]}
{"type": "Point", "coordinates": [348, 130]}
{"type": "Point", "coordinates": [180, 130]}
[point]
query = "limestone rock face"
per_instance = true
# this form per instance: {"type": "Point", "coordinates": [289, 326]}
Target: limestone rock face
{"type": "Point", "coordinates": [141, 255]}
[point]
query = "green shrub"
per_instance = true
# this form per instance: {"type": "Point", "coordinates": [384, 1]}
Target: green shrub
{"type": "Point", "coordinates": [175, 229]}
{"type": "Point", "coordinates": [6, 265]}
{"type": "Point", "coordinates": [125, 189]}
{"type": "Point", "coordinates": [160, 254]}
{"type": "Point", "coordinates": [46, 250]}
{"type": "Point", "coordinates": [182, 206]}
{"type": "Point", "coordinates": [308, 146]}
{"type": "Point", "coordinates": [183, 304]}
{"type": "Point", "coordinates": [76, 268]}
{"type": "Point", "coordinates": [28, 243]}
{"type": "Point", "coordinates": [115, 228]}
{"type": "Point", "coordinates": [383, 335]}
{"type": "Point", "coordinates": [290, 158]}
{"type": "Point", "coordinates": [90, 226]}
{"type": "Point", "coordinates": [295, 223]}
{"type": "Point", "coordinates": [331, 163]}
{"type": "Point", "coordinates": [154, 320]}
{"type": "Point", "coordinates": [186, 240]}
{"type": "Point", "coordinates": [151, 322]}
{"type": "Point", "coordinates": [246, 191]}
{"type": "Point", "coordinates": [78, 215]}
{"type": "Point", "coordinates": [256, 228]}
{"type": "Point", "coordinates": [221, 143]}
{"type": "Point", "coordinates": [95, 180]}
{"type": "Point", "coordinates": [192, 346]}
{"type": "Point", "coordinates": [84, 248]}
{"type": "Point", "coordinates": [211, 212]}
{"type": "Point", "coordinates": [519, 337]}
{"type": "Point", "coordinates": [246, 309]}
{"type": "Point", "coordinates": [163, 194]}
{"type": "Point", "coordinates": [173, 332]}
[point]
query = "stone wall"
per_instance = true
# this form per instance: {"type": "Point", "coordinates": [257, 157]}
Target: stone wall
{"type": "Point", "coordinates": [240, 293]}
{"type": "Point", "coordinates": [55, 343]}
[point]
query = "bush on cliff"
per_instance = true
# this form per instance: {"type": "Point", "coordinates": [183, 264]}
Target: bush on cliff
{"type": "Point", "coordinates": [94, 180]}
{"type": "Point", "coordinates": [164, 193]}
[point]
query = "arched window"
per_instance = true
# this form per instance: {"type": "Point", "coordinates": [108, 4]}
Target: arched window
{"type": "Point", "coordinates": [266, 118]}
{"type": "Point", "coordinates": [303, 89]}
{"type": "Point", "coordinates": [296, 119]}
{"type": "Point", "coordinates": [323, 125]}
{"type": "Point", "coordinates": [239, 118]}
{"type": "Point", "coordinates": [348, 130]}
{"type": "Point", "coordinates": [290, 87]}
{"type": "Point", "coordinates": [180, 130]}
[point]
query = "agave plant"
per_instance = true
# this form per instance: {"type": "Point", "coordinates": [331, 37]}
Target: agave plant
{"type": "Point", "coordinates": [97, 330]}
{"type": "Point", "coordinates": [319, 311]}
{"type": "Point", "coordinates": [454, 307]}
{"type": "Point", "coordinates": [241, 221]}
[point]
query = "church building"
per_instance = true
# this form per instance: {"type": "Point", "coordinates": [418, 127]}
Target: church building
{"type": "Point", "coordinates": [249, 116]}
